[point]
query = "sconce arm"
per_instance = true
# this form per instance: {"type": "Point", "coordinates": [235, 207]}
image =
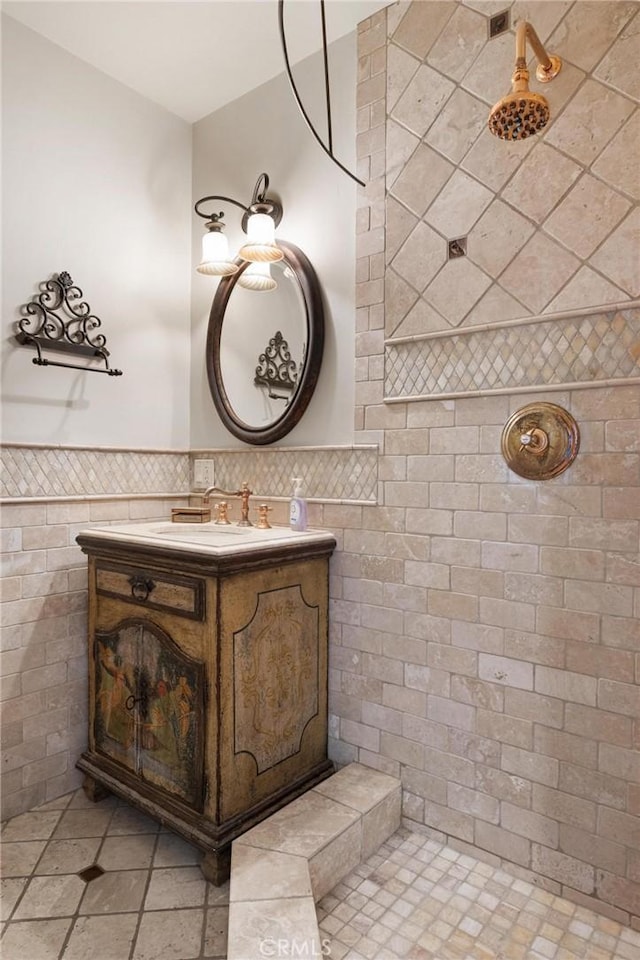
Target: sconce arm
{"type": "Point", "coordinates": [260, 203]}
{"type": "Point", "coordinates": [217, 216]}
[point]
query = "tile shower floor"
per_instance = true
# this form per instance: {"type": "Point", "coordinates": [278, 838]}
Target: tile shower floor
{"type": "Point", "coordinates": [414, 899]}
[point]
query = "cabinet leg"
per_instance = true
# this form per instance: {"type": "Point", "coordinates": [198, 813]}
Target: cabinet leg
{"type": "Point", "coordinates": [94, 790]}
{"type": "Point", "coordinates": [216, 866]}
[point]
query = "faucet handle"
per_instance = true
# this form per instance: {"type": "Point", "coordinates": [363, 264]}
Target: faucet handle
{"type": "Point", "coordinates": [221, 512]}
{"type": "Point", "coordinates": [263, 517]}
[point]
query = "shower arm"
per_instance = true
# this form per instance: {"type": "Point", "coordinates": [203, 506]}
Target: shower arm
{"type": "Point", "coordinates": [548, 64]}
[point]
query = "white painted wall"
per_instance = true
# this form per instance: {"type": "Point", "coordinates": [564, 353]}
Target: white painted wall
{"type": "Point", "coordinates": [263, 131]}
{"type": "Point", "coordinates": [95, 181]}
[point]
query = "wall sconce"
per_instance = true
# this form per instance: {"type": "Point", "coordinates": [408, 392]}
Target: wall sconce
{"type": "Point", "coordinates": [259, 221]}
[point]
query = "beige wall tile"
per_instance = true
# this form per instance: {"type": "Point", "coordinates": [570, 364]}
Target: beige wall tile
{"type": "Point", "coordinates": [601, 788]}
{"type": "Point", "coordinates": [503, 842]}
{"type": "Point", "coordinates": [421, 25]}
{"type": "Point", "coordinates": [566, 685]}
{"type": "Point", "coordinates": [616, 164]}
{"type": "Point", "coordinates": [458, 125]}
{"type": "Point", "coordinates": [422, 100]}
{"type": "Point", "coordinates": [568, 870]}
{"type": "Point", "coordinates": [424, 174]}
{"type": "Point", "coordinates": [538, 272]}
{"type": "Point", "coordinates": [616, 256]}
{"type": "Point", "coordinates": [586, 216]}
{"type": "Point", "coordinates": [598, 724]}
{"type": "Point", "coordinates": [528, 824]}
{"type": "Point", "coordinates": [542, 165]}
{"type": "Point", "coordinates": [585, 39]}
{"type": "Point", "coordinates": [590, 120]}
{"type": "Point", "coordinates": [459, 43]}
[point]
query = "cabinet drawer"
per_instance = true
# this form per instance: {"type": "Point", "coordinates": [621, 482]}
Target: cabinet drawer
{"type": "Point", "coordinates": [146, 587]}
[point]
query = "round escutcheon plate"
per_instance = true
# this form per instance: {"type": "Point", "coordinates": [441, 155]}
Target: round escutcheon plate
{"type": "Point", "coordinates": [540, 441]}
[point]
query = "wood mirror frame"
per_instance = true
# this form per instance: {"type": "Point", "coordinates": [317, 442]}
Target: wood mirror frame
{"type": "Point", "coordinates": [307, 279]}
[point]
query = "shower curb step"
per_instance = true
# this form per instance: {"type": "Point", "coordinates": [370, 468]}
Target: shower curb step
{"type": "Point", "coordinates": [284, 865]}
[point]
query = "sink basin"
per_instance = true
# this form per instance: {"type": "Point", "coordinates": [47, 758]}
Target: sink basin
{"type": "Point", "coordinates": [212, 538]}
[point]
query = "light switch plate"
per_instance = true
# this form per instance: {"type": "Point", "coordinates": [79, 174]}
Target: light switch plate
{"type": "Point", "coordinates": [203, 473]}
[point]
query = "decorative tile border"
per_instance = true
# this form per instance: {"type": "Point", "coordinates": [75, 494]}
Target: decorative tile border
{"type": "Point", "coordinates": [328, 473]}
{"type": "Point", "coordinates": [32, 471]}
{"type": "Point", "coordinates": [575, 349]}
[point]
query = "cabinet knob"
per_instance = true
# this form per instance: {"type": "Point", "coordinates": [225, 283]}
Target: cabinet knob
{"type": "Point", "coordinates": [141, 587]}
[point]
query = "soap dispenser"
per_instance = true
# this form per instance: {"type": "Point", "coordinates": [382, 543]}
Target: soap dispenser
{"type": "Point", "coordinates": [298, 507]}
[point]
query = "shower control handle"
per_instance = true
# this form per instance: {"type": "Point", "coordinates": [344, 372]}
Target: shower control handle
{"type": "Point", "coordinates": [535, 441]}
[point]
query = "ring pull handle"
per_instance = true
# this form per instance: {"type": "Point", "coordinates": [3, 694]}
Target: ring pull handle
{"type": "Point", "coordinates": [131, 701]}
{"type": "Point", "coordinates": [141, 587]}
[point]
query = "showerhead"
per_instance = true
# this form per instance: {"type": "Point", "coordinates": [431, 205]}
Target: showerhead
{"type": "Point", "coordinates": [522, 113]}
{"type": "Point", "coordinates": [519, 115]}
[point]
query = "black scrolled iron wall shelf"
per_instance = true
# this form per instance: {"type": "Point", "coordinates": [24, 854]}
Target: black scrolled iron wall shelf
{"type": "Point", "coordinates": [46, 329]}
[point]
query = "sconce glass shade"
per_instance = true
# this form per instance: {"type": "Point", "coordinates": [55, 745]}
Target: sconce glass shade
{"type": "Point", "coordinates": [215, 256]}
{"type": "Point", "coordinates": [257, 276]}
{"type": "Point", "coordinates": [261, 244]}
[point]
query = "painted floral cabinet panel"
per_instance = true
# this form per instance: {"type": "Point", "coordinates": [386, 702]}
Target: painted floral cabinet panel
{"type": "Point", "coordinates": [149, 708]}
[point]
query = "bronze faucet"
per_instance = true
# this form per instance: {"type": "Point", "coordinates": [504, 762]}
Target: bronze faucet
{"type": "Point", "coordinates": [243, 493]}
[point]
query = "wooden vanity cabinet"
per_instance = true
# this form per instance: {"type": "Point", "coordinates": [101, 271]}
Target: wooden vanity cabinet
{"type": "Point", "coordinates": [207, 683]}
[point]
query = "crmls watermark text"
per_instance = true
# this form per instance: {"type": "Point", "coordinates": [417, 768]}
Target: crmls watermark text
{"type": "Point", "coordinates": [294, 948]}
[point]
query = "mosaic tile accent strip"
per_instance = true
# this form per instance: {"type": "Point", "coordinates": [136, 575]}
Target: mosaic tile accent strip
{"type": "Point", "coordinates": [419, 899]}
{"type": "Point", "coordinates": [33, 471]}
{"type": "Point", "coordinates": [580, 351]}
{"type": "Point", "coordinates": [328, 473]}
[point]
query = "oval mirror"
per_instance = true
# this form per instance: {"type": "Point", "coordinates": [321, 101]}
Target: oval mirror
{"type": "Point", "coordinates": [264, 348]}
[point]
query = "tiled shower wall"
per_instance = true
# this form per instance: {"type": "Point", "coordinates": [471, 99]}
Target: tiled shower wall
{"type": "Point", "coordinates": [486, 629]}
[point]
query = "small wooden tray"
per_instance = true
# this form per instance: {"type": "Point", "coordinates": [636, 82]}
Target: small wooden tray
{"type": "Point", "coordinates": [190, 515]}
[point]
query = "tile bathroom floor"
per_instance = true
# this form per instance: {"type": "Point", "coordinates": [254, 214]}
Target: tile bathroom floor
{"type": "Point", "coordinates": [414, 899]}
{"type": "Point", "coordinates": [151, 902]}
{"type": "Point", "coordinates": [420, 900]}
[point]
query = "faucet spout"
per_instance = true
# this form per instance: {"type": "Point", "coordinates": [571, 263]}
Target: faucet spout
{"type": "Point", "coordinates": [243, 493]}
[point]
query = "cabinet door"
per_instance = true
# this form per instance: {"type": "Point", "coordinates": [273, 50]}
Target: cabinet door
{"type": "Point", "coordinates": [149, 712]}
